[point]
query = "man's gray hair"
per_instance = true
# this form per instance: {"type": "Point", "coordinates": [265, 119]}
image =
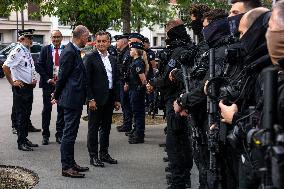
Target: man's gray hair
{"type": "Point", "coordinates": [279, 8]}
{"type": "Point", "coordinates": [79, 31]}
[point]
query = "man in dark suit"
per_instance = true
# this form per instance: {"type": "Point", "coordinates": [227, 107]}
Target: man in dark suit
{"type": "Point", "coordinates": [103, 97]}
{"type": "Point", "coordinates": [47, 67]}
{"type": "Point", "coordinates": [70, 93]}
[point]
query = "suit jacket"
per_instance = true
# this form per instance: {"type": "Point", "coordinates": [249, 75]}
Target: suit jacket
{"type": "Point", "coordinates": [98, 84]}
{"type": "Point", "coordinates": [71, 86]}
{"type": "Point", "coordinates": [45, 65]}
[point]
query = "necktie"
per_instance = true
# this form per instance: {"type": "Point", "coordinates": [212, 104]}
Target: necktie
{"type": "Point", "coordinates": [56, 57]}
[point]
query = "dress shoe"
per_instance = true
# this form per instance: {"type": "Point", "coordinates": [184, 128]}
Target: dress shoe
{"type": "Point", "coordinates": [165, 159]}
{"type": "Point", "coordinates": [136, 140]}
{"type": "Point", "coordinates": [45, 141]}
{"type": "Point", "coordinates": [162, 145]}
{"type": "Point", "coordinates": [33, 129]}
{"type": "Point", "coordinates": [85, 118]}
{"type": "Point", "coordinates": [167, 169]}
{"type": "Point", "coordinates": [130, 132]}
{"type": "Point", "coordinates": [14, 130]}
{"type": "Point", "coordinates": [106, 158]}
{"type": "Point", "coordinates": [30, 144]}
{"type": "Point", "coordinates": [118, 127]}
{"type": "Point", "coordinates": [124, 129]}
{"type": "Point", "coordinates": [72, 173]}
{"type": "Point", "coordinates": [59, 140]}
{"type": "Point", "coordinates": [96, 162]}
{"type": "Point", "coordinates": [24, 147]}
{"type": "Point", "coordinates": [80, 169]}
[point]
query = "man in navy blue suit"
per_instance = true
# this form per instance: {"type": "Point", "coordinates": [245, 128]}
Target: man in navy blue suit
{"type": "Point", "coordinates": [48, 67]}
{"type": "Point", "coordinates": [103, 97]}
{"type": "Point", "coordinates": [70, 93]}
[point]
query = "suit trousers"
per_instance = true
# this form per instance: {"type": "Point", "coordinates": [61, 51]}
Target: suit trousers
{"type": "Point", "coordinates": [72, 121]}
{"type": "Point", "coordinates": [126, 107]}
{"type": "Point", "coordinates": [23, 99]}
{"type": "Point", "coordinates": [46, 113]}
{"type": "Point", "coordinates": [99, 124]}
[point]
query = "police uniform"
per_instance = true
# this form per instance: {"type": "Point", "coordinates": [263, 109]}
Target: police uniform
{"type": "Point", "coordinates": [137, 95]}
{"type": "Point", "coordinates": [150, 75]}
{"type": "Point", "coordinates": [123, 62]}
{"type": "Point", "coordinates": [22, 68]}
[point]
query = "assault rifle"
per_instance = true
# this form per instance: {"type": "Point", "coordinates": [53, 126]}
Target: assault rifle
{"type": "Point", "coordinates": [213, 174]}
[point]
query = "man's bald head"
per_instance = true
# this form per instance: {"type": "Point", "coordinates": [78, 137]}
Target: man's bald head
{"type": "Point", "coordinates": [173, 23]}
{"type": "Point", "coordinates": [276, 21]}
{"type": "Point", "coordinates": [249, 18]}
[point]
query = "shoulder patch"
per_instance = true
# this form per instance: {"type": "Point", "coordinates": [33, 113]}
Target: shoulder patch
{"type": "Point", "coordinates": [172, 63]}
{"type": "Point", "coordinates": [138, 69]}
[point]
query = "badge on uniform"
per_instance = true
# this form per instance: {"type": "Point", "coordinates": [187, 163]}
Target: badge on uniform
{"type": "Point", "coordinates": [172, 63]}
{"type": "Point", "coordinates": [138, 69]}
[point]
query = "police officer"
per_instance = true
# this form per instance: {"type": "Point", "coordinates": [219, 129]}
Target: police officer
{"type": "Point", "coordinates": [137, 88]}
{"type": "Point", "coordinates": [123, 59]}
{"type": "Point", "coordinates": [20, 72]}
{"type": "Point", "coordinates": [124, 96]}
{"type": "Point", "coordinates": [177, 141]}
{"type": "Point", "coordinates": [152, 70]}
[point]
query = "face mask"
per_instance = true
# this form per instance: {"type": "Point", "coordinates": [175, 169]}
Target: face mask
{"type": "Point", "coordinates": [234, 22]}
{"type": "Point", "coordinates": [196, 26]}
{"type": "Point", "coordinates": [215, 30]}
{"type": "Point", "coordinates": [275, 45]}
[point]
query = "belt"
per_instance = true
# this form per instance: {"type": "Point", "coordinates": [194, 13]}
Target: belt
{"type": "Point", "coordinates": [28, 86]}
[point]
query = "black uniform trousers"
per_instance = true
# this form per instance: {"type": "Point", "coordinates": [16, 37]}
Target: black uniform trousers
{"type": "Point", "coordinates": [23, 99]}
{"type": "Point", "coordinates": [72, 121]}
{"type": "Point", "coordinates": [178, 147]}
{"type": "Point", "coordinates": [46, 113]}
{"type": "Point", "coordinates": [137, 97]}
{"type": "Point", "coordinates": [99, 127]}
{"type": "Point", "coordinates": [14, 116]}
{"type": "Point", "coordinates": [125, 106]}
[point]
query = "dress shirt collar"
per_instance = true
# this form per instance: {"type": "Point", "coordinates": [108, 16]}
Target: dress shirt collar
{"type": "Point", "coordinates": [53, 47]}
{"type": "Point", "coordinates": [103, 55]}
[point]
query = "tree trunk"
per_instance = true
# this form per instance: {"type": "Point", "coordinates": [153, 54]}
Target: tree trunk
{"type": "Point", "coordinates": [126, 15]}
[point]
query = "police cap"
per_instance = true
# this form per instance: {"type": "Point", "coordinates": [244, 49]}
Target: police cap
{"type": "Point", "coordinates": [118, 37]}
{"type": "Point", "coordinates": [146, 40]}
{"type": "Point", "coordinates": [28, 32]}
{"type": "Point", "coordinates": [136, 35]}
{"type": "Point", "coordinates": [137, 45]}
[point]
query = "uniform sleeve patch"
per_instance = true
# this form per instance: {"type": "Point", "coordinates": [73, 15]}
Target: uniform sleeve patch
{"type": "Point", "coordinates": [138, 69]}
{"type": "Point", "coordinates": [172, 63]}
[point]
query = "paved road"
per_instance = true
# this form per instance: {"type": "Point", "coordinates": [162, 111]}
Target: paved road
{"type": "Point", "coordinates": [140, 166]}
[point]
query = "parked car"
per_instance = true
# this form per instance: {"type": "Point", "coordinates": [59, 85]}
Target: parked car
{"type": "Point", "coordinates": [35, 50]}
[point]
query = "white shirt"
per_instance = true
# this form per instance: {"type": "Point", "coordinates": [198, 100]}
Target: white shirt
{"type": "Point", "coordinates": [55, 68]}
{"type": "Point", "coordinates": [108, 68]}
{"type": "Point", "coordinates": [21, 64]}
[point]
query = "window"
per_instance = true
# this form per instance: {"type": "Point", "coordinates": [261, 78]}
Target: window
{"type": "Point", "coordinates": [155, 41]}
{"type": "Point", "coordinates": [163, 41]}
{"type": "Point", "coordinates": [1, 37]}
{"type": "Point", "coordinates": [34, 12]}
